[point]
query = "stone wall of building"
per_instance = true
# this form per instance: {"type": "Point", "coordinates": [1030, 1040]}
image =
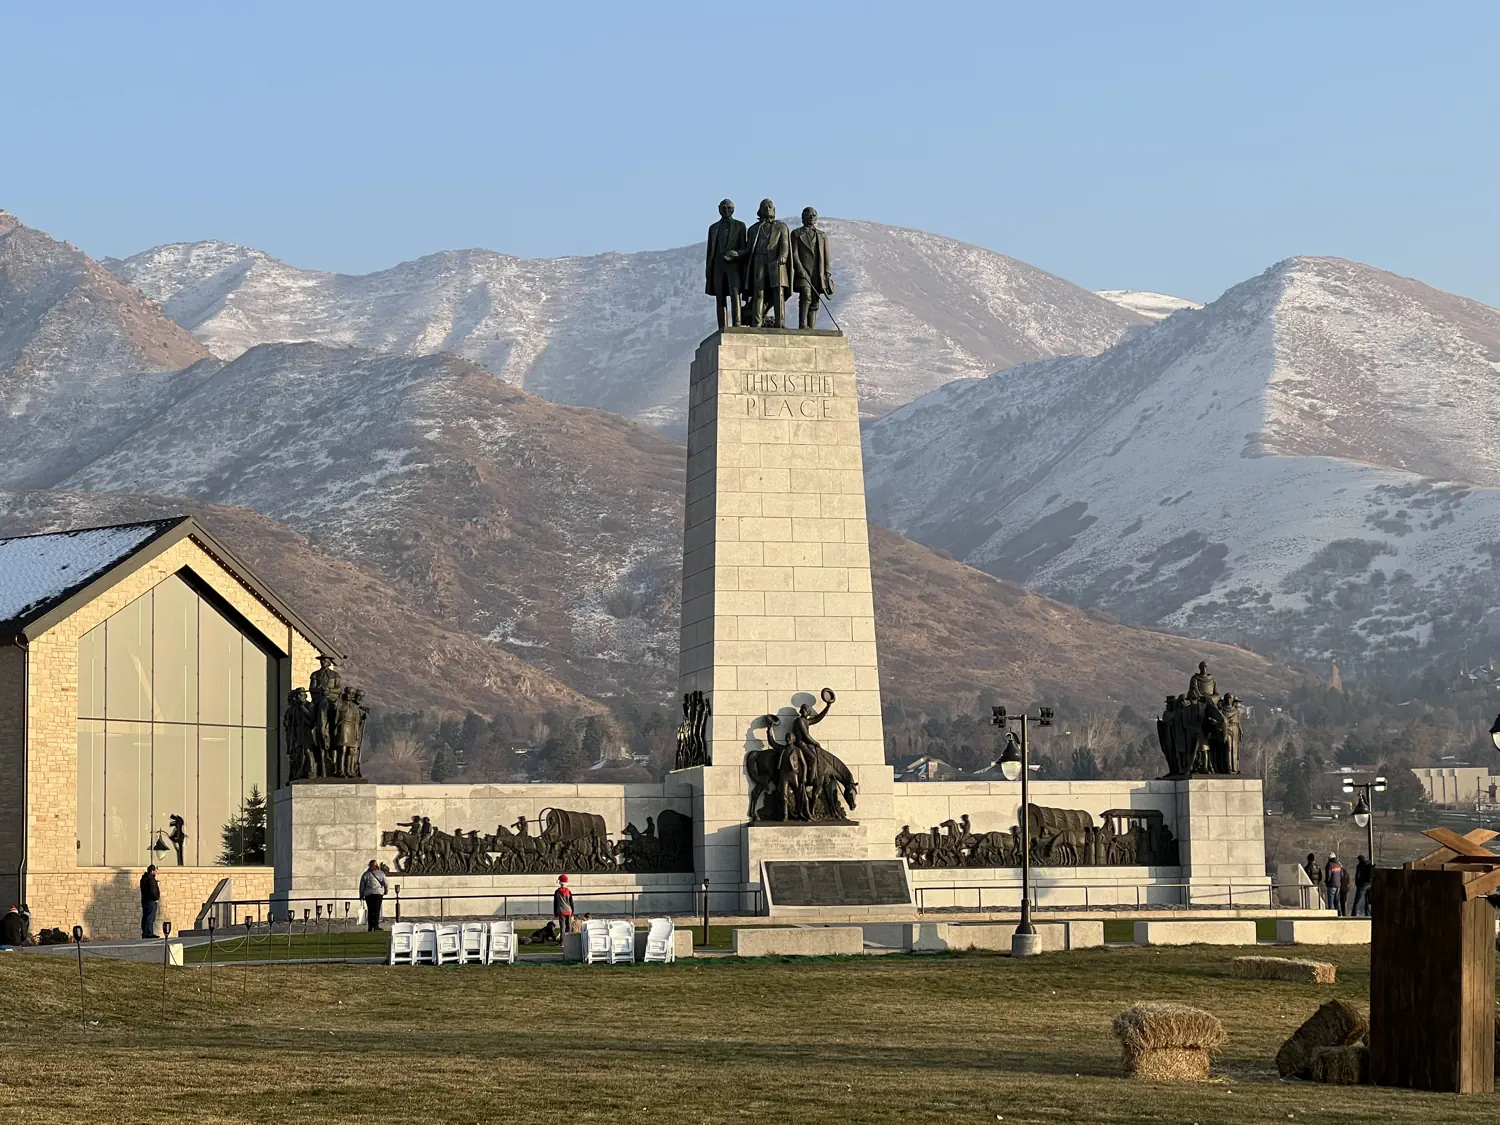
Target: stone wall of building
{"type": "Point", "coordinates": [58, 890]}
{"type": "Point", "coordinates": [107, 901]}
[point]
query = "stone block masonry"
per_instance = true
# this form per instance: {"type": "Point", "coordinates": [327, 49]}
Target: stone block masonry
{"type": "Point", "coordinates": [776, 595]}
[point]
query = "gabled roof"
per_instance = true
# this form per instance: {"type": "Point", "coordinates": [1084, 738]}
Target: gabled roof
{"type": "Point", "coordinates": [46, 578]}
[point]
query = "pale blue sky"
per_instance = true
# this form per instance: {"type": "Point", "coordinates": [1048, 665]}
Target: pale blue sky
{"type": "Point", "coordinates": [1176, 147]}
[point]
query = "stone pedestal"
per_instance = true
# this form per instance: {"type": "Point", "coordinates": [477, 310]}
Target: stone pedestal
{"type": "Point", "coordinates": [776, 601]}
{"type": "Point", "coordinates": [323, 838]}
{"type": "Point", "coordinates": [1222, 841]}
{"type": "Point", "coordinates": [802, 841]}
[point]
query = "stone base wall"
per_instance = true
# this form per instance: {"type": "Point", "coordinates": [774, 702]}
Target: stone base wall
{"type": "Point", "coordinates": [107, 901]}
{"type": "Point", "coordinates": [326, 833]}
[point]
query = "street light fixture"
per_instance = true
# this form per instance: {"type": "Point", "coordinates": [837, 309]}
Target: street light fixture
{"type": "Point", "coordinates": [1015, 762]}
{"type": "Point", "coordinates": [1364, 808]}
{"type": "Point", "coordinates": [1362, 812]}
{"type": "Point", "coordinates": [1495, 733]}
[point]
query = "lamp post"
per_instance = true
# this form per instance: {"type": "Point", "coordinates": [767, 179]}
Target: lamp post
{"type": "Point", "coordinates": [1364, 808]}
{"type": "Point", "coordinates": [1495, 733]}
{"type": "Point", "coordinates": [1016, 762]}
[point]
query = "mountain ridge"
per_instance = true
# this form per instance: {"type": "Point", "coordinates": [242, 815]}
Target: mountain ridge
{"type": "Point", "coordinates": [1223, 471]}
{"type": "Point", "coordinates": [617, 331]}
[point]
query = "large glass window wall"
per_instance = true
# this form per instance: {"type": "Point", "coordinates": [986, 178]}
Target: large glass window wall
{"type": "Point", "coordinates": [176, 724]}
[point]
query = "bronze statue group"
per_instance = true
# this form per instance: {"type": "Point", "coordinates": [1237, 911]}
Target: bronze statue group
{"type": "Point", "coordinates": [1200, 731]}
{"type": "Point", "coordinates": [797, 779]}
{"type": "Point", "coordinates": [324, 724]}
{"type": "Point", "coordinates": [752, 272]}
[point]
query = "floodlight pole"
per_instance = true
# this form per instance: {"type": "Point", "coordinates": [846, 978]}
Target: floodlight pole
{"type": "Point", "coordinates": [1026, 929]}
{"type": "Point", "coordinates": [1024, 941]}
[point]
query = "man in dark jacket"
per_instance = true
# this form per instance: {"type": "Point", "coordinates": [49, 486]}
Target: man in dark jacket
{"type": "Point", "coordinates": [1315, 876]}
{"type": "Point", "coordinates": [150, 902]}
{"type": "Point", "coordinates": [1364, 875]}
{"type": "Point", "coordinates": [1333, 876]}
{"type": "Point", "coordinates": [12, 928]}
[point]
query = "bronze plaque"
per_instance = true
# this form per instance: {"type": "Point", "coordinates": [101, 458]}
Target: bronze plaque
{"type": "Point", "coordinates": [837, 882]}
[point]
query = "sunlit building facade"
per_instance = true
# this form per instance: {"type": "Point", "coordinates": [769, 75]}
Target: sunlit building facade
{"type": "Point", "coordinates": [141, 669]}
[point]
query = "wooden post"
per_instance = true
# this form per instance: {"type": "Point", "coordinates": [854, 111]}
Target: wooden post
{"type": "Point", "coordinates": [1432, 981]}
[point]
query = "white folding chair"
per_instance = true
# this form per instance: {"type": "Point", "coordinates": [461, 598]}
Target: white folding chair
{"type": "Point", "coordinates": [661, 943]}
{"type": "Point", "coordinates": [402, 946]}
{"type": "Point", "coordinates": [424, 943]}
{"type": "Point", "coordinates": [595, 941]}
{"type": "Point", "coordinates": [447, 945]}
{"type": "Point", "coordinates": [502, 943]}
{"type": "Point", "coordinates": [622, 942]}
{"type": "Point", "coordinates": [473, 943]}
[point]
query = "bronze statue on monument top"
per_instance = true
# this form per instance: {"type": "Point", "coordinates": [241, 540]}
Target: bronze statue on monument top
{"type": "Point", "coordinates": [810, 276]}
{"type": "Point", "coordinates": [725, 279]}
{"type": "Point", "coordinates": [751, 274]}
{"type": "Point", "coordinates": [768, 275]}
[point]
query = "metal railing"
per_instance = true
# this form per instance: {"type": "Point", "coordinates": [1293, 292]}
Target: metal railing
{"type": "Point", "coordinates": [425, 905]}
{"type": "Point", "coordinates": [976, 897]}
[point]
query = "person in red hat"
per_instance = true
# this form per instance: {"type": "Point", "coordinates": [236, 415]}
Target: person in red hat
{"type": "Point", "coordinates": [562, 905]}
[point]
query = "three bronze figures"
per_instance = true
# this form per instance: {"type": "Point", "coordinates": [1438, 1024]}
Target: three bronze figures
{"type": "Point", "coordinates": [751, 273]}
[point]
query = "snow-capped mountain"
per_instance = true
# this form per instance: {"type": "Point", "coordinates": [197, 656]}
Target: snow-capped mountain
{"type": "Point", "coordinates": [80, 353]}
{"type": "Point", "coordinates": [447, 509]}
{"type": "Point", "coordinates": [1152, 306]}
{"type": "Point", "coordinates": [1307, 465]}
{"type": "Point", "coordinates": [617, 331]}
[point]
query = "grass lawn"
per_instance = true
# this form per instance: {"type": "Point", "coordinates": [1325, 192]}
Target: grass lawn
{"type": "Point", "coordinates": [896, 1039]}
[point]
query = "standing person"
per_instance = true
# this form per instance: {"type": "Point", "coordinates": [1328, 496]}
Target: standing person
{"type": "Point", "coordinates": [372, 890]}
{"type": "Point", "coordinates": [1346, 893]}
{"type": "Point", "coordinates": [150, 902]}
{"type": "Point", "coordinates": [1315, 876]}
{"type": "Point", "coordinates": [1364, 875]}
{"type": "Point", "coordinates": [1333, 874]}
{"type": "Point", "coordinates": [562, 905]}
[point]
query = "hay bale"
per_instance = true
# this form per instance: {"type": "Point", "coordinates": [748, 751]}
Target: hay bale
{"type": "Point", "coordinates": [1342, 1066]}
{"type": "Point", "coordinates": [1335, 1024]}
{"type": "Point", "coordinates": [1168, 1064]}
{"type": "Point", "coordinates": [1295, 969]}
{"type": "Point", "coordinates": [1167, 1042]}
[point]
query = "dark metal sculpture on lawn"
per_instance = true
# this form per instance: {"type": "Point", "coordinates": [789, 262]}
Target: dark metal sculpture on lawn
{"type": "Point", "coordinates": [1059, 838]}
{"type": "Point", "coordinates": [1199, 732]}
{"type": "Point", "coordinates": [797, 779]}
{"type": "Point", "coordinates": [569, 841]}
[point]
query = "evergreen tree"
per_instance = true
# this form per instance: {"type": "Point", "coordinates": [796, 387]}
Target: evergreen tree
{"type": "Point", "coordinates": [444, 764]}
{"type": "Point", "coordinates": [244, 834]}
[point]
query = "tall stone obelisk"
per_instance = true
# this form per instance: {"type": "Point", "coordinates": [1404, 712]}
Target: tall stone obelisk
{"type": "Point", "coordinates": [776, 598]}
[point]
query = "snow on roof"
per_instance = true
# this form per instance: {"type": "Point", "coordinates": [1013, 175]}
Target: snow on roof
{"type": "Point", "coordinates": [36, 570]}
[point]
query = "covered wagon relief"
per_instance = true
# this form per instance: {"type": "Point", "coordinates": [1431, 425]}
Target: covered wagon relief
{"type": "Point", "coordinates": [564, 840]}
{"type": "Point", "coordinates": [1059, 838]}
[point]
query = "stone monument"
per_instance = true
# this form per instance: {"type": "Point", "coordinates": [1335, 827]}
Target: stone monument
{"type": "Point", "coordinates": [776, 600]}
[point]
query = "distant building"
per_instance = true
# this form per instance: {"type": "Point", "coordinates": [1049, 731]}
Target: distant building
{"type": "Point", "coordinates": [1460, 784]}
{"type": "Point", "coordinates": [928, 768]}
